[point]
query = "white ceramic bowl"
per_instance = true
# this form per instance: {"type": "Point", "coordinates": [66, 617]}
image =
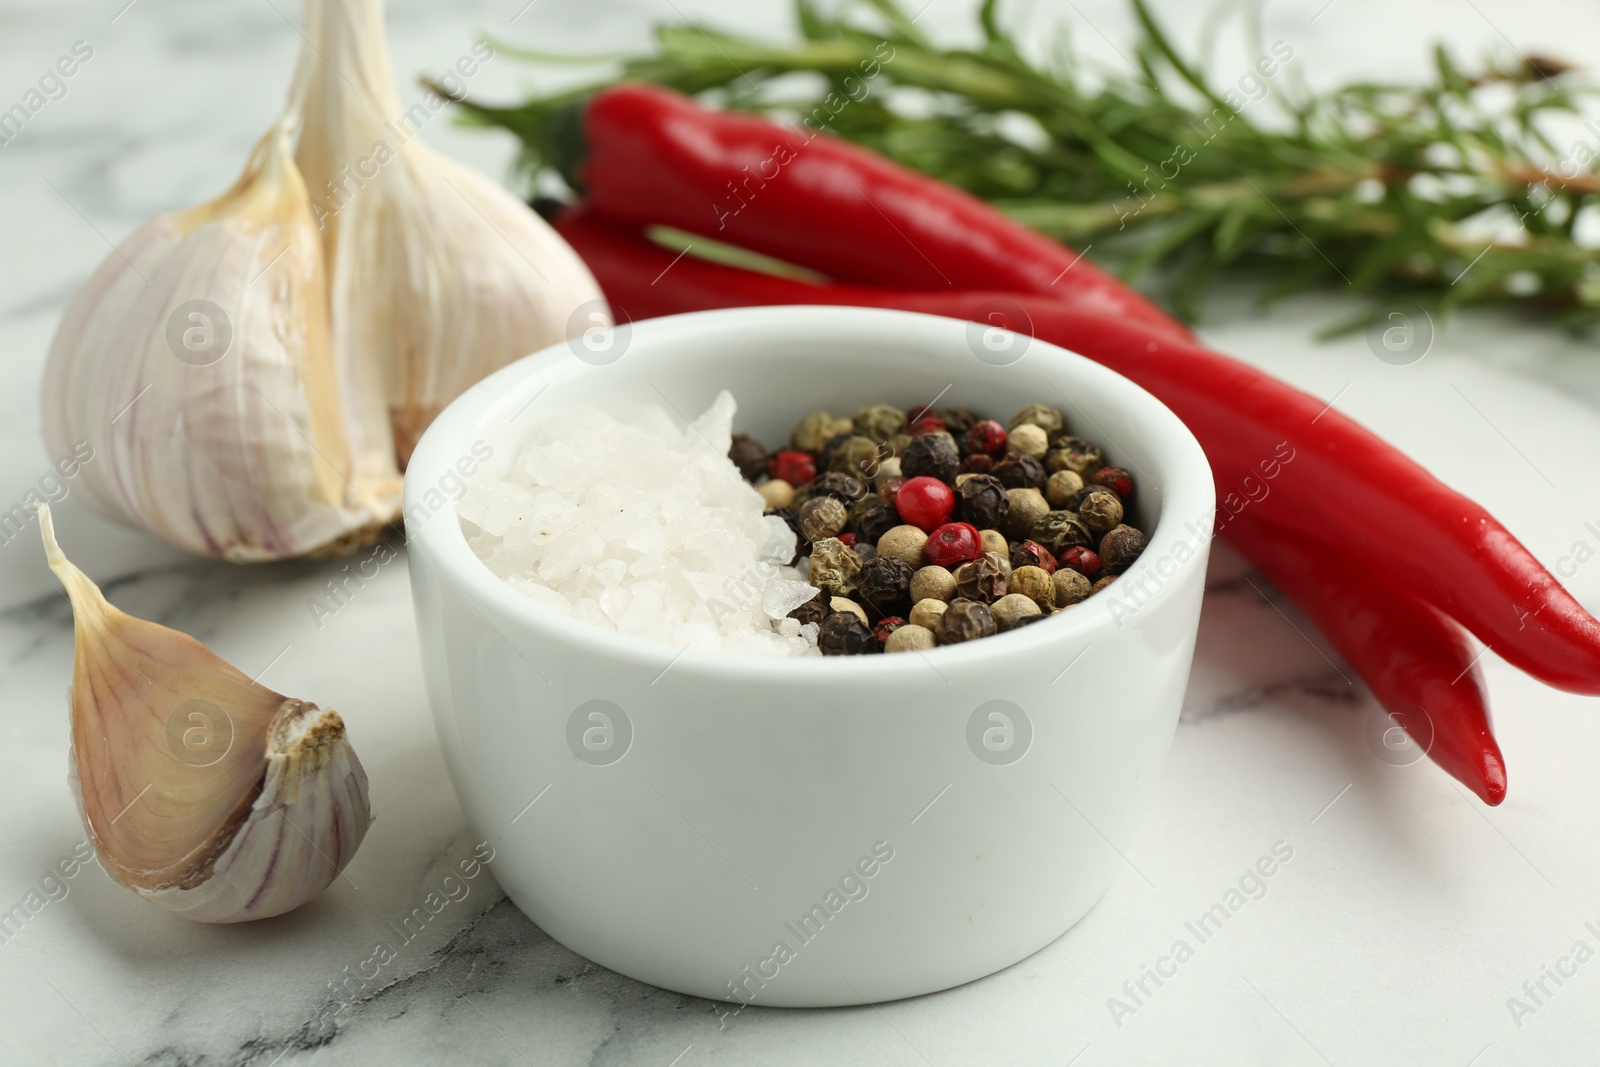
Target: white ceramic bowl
{"type": "Point", "coordinates": [807, 831]}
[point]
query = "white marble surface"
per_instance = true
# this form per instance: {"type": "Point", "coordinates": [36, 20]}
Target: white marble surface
{"type": "Point", "coordinates": [1407, 917]}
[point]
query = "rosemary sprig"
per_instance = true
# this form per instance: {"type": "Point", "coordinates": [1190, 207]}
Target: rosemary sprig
{"type": "Point", "coordinates": [1446, 193]}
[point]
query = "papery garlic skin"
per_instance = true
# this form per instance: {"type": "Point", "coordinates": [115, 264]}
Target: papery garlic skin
{"type": "Point", "coordinates": [250, 453]}
{"type": "Point", "coordinates": [439, 276]}
{"type": "Point", "coordinates": [203, 791]}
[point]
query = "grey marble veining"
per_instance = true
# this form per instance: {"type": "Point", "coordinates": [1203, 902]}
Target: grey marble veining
{"type": "Point", "coordinates": [1407, 921]}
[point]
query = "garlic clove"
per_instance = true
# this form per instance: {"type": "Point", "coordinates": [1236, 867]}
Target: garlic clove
{"type": "Point", "coordinates": [439, 276]}
{"type": "Point", "coordinates": [198, 361]}
{"type": "Point", "coordinates": [201, 790]}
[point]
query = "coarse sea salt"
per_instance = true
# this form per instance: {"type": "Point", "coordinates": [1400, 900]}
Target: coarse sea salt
{"type": "Point", "coordinates": [644, 528]}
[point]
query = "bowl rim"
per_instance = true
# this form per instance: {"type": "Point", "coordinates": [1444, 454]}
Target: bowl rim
{"type": "Point", "coordinates": [1190, 492]}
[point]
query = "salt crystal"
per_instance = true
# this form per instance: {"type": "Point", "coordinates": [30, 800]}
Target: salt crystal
{"type": "Point", "coordinates": [644, 527]}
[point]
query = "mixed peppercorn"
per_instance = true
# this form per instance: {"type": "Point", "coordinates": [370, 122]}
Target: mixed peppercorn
{"type": "Point", "coordinates": [927, 528]}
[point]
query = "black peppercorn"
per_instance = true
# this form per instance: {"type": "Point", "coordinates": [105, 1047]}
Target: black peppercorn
{"type": "Point", "coordinates": [934, 455]}
{"type": "Point", "coordinates": [1029, 620]}
{"type": "Point", "coordinates": [875, 521]}
{"type": "Point", "coordinates": [1019, 471]}
{"type": "Point", "coordinates": [845, 488]}
{"type": "Point", "coordinates": [1119, 548]}
{"type": "Point", "coordinates": [822, 516]}
{"type": "Point", "coordinates": [964, 620]}
{"type": "Point", "coordinates": [959, 420]}
{"type": "Point", "coordinates": [844, 634]}
{"type": "Point", "coordinates": [983, 579]}
{"type": "Point", "coordinates": [977, 463]}
{"type": "Point", "coordinates": [981, 500]}
{"type": "Point", "coordinates": [814, 610]}
{"type": "Point", "coordinates": [1061, 530]}
{"type": "Point", "coordinates": [749, 455]}
{"type": "Point", "coordinates": [885, 584]}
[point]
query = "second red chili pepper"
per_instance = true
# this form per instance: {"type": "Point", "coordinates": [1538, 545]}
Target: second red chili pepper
{"type": "Point", "coordinates": [1346, 485]}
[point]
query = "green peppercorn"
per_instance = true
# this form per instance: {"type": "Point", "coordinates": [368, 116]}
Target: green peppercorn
{"type": "Point", "coordinates": [1036, 584]}
{"type": "Point", "coordinates": [814, 610]}
{"type": "Point", "coordinates": [932, 583]}
{"type": "Point", "coordinates": [1019, 471]}
{"type": "Point", "coordinates": [1062, 487]}
{"type": "Point", "coordinates": [897, 447]}
{"type": "Point", "coordinates": [885, 584]}
{"type": "Point", "coordinates": [1071, 587]}
{"type": "Point", "coordinates": [964, 620]}
{"type": "Point", "coordinates": [821, 517]}
{"type": "Point", "coordinates": [934, 455]}
{"type": "Point", "coordinates": [813, 432]}
{"type": "Point", "coordinates": [1076, 454]}
{"type": "Point", "coordinates": [982, 579]}
{"type": "Point", "coordinates": [1011, 609]}
{"type": "Point", "coordinates": [843, 634]}
{"type": "Point", "coordinates": [1120, 547]}
{"type": "Point", "coordinates": [1061, 530]}
{"type": "Point", "coordinates": [749, 455]}
{"type": "Point", "coordinates": [880, 421]}
{"type": "Point", "coordinates": [833, 567]}
{"type": "Point", "coordinates": [1101, 511]}
{"type": "Point", "coordinates": [855, 455]}
{"type": "Point", "coordinates": [1024, 509]}
{"type": "Point", "coordinates": [981, 501]}
{"type": "Point", "coordinates": [1047, 418]}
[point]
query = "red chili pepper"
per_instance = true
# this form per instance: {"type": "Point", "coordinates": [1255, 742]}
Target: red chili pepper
{"type": "Point", "coordinates": [1420, 665]}
{"type": "Point", "coordinates": [1313, 469]}
{"type": "Point", "coordinates": [648, 155]}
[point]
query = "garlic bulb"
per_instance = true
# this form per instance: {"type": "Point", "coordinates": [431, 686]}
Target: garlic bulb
{"type": "Point", "coordinates": [439, 276]}
{"type": "Point", "coordinates": [202, 791]}
{"type": "Point", "coordinates": [253, 373]}
{"type": "Point", "coordinates": [197, 360]}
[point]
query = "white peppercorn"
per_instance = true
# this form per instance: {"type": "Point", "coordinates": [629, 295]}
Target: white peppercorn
{"type": "Point", "coordinates": [933, 583]}
{"type": "Point", "coordinates": [910, 638]}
